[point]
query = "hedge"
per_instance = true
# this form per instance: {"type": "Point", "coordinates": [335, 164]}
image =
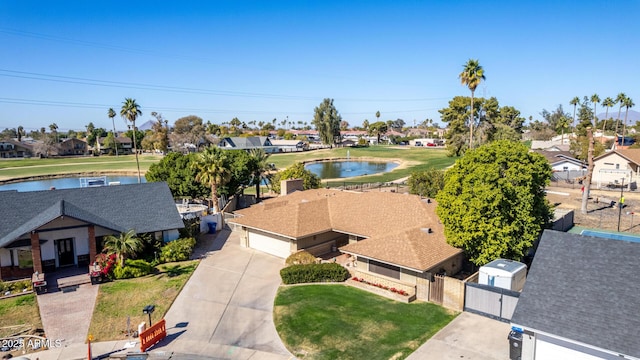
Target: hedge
{"type": "Point", "coordinates": [178, 250]}
{"type": "Point", "coordinates": [132, 269]}
{"type": "Point", "coordinates": [328, 272]}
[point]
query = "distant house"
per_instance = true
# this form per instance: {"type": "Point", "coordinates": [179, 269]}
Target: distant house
{"type": "Point", "coordinates": [288, 145]}
{"type": "Point", "coordinates": [616, 169]}
{"type": "Point", "coordinates": [47, 230]}
{"type": "Point", "coordinates": [557, 143]}
{"type": "Point", "coordinates": [246, 143]}
{"type": "Point", "coordinates": [73, 147]}
{"type": "Point", "coordinates": [14, 149]}
{"type": "Point", "coordinates": [125, 145]}
{"type": "Point", "coordinates": [392, 238]}
{"type": "Point", "coordinates": [580, 300]}
{"type": "Point", "coordinates": [562, 161]}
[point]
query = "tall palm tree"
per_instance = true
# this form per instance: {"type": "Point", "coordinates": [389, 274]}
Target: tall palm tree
{"type": "Point", "coordinates": [130, 111]}
{"type": "Point", "coordinates": [112, 114]}
{"type": "Point", "coordinates": [619, 99]}
{"type": "Point", "coordinates": [595, 99]}
{"type": "Point", "coordinates": [260, 166]}
{"type": "Point", "coordinates": [562, 124]}
{"type": "Point", "coordinates": [575, 101]}
{"type": "Point", "coordinates": [123, 245]}
{"type": "Point", "coordinates": [471, 76]}
{"type": "Point", "coordinates": [607, 103]}
{"type": "Point", "coordinates": [377, 115]}
{"type": "Point", "coordinates": [20, 132]}
{"type": "Point", "coordinates": [213, 170]}
{"type": "Point", "coordinates": [628, 103]}
{"type": "Point", "coordinates": [54, 130]}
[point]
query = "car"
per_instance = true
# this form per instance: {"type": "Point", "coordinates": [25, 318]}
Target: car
{"type": "Point", "coordinates": [431, 144]}
{"type": "Point", "coordinates": [418, 143]}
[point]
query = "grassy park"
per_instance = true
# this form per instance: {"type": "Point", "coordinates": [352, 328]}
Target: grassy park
{"type": "Point", "coordinates": [411, 158]}
{"type": "Point", "coordinates": [341, 322]}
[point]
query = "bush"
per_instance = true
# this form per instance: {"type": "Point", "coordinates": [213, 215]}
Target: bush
{"type": "Point", "coordinates": [132, 269]}
{"type": "Point", "coordinates": [178, 250]}
{"type": "Point", "coordinates": [296, 274]}
{"type": "Point", "coordinates": [300, 258]}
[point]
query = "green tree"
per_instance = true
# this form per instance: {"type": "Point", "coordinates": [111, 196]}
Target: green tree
{"type": "Point", "coordinates": [620, 99]}
{"type": "Point", "coordinates": [628, 103]}
{"type": "Point", "coordinates": [213, 170]}
{"type": "Point", "coordinates": [377, 115]}
{"type": "Point", "coordinates": [327, 121]}
{"type": "Point", "coordinates": [54, 131]}
{"type": "Point", "coordinates": [493, 203]}
{"type": "Point", "coordinates": [259, 168]}
{"type": "Point", "coordinates": [130, 111]}
{"type": "Point", "coordinates": [471, 76]}
{"type": "Point", "coordinates": [595, 99]}
{"type": "Point", "coordinates": [365, 125]}
{"type": "Point", "coordinates": [378, 129]}
{"type": "Point", "coordinates": [563, 124]}
{"type": "Point", "coordinates": [110, 143]}
{"type": "Point", "coordinates": [296, 171]}
{"type": "Point", "coordinates": [607, 103]}
{"type": "Point", "coordinates": [20, 133]}
{"type": "Point", "coordinates": [112, 114]}
{"type": "Point", "coordinates": [124, 245]}
{"type": "Point", "coordinates": [426, 183]}
{"type": "Point", "coordinates": [575, 101]}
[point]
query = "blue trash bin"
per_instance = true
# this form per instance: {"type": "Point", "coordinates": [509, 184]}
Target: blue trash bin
{"type": "Point", "coordinates": [212, 227]}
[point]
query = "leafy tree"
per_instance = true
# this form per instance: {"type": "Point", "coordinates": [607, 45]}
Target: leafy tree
{"type": "Point", "coordinates": [213, 170]}
{"type": "Point", "coordinates": [344, 125]}
{"type": "Point", "coordinates": [471, 76]}
{"type": "Point", "coordinates": [189, 129]}
{"type": "Point", "coordinates": [397, 124]}
{"type": "Point", "coordinates": [585, 117]}
{"type": "Point", "coordinates": [110, 143]}
{"type": "Point", "coordinates": [426, 183]}
{"type": "Point", "coordinates": [552, 118]}
{"type": "Point", "coordinates": [125, 245]}
{"type": "Point", "coordinates": [493, 203]}
{"type": "Point", "coordinates": [175, 169]}
{"type": "Point", "coordinates": [130, 111]}
{"type": "Point", "coordinates": [579, 147]}
{"type": "Point", "coordinates": [365, 124]}
{"type": "Point", "coordinates": [296, 171]}
{"type": "Point", "coordinates": [378, 129]}
{"type": "Point", "coordinates": [327, 121]}
{"type": "Point", "coordinates": [112, 114]}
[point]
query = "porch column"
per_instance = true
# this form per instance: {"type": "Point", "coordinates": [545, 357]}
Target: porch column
{"type": "Point", "coordinates": [35, 252]}
{"type": "Point", "coordinates": [92, 244]}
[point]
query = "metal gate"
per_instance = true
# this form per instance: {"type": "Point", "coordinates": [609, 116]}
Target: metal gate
{"type": "Point", "coordinates": [490, 301]}
{"type": "Point", "coordinates": [436, 289]}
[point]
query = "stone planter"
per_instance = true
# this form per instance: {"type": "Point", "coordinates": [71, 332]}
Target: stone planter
{"type": "Point", "coordinates": [382, 292]}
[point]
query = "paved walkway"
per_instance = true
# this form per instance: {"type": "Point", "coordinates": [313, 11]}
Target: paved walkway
{"type": "Point", "coordinates": [66, 316]}
{"type": "Point", "coordinates": [468, 336]}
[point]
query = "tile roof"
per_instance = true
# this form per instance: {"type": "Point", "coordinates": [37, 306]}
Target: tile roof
{"type": "Point", "coordinates": [584, 289]}
{"type": "Point", "coordinates": [632, 155]}
{"type": "Point", "coordinates": [391, 223]}
{"type": "Point", "coordinates": [142, 207]}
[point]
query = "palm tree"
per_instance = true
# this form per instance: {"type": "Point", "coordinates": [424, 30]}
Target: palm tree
{"type": "Point", "coordinates": [213, 170]}
{"type": "Point", "coordinates": [54, 130]}
{"type": "Point", "coordinates": [575, 101]}
{"type": "Point", "coordinates": [607, 103]}
{"type": "Point", "coordinates": [595, 99]}
{"type": "Point", "coordinates": [619, 99]}
{"type": "Point", "coordinates": [628, 103]}
{"type": "Point", "coordinates": [258, 160]}
{"type": "Point", "coordinates": [112, 114]}
{"type": "Point", "coordinates": [20, 132]}
{"type": "Point", "coordinates": [471, 76]}
{"type": "Point", "coordinates": [130, 111]}
{"type": "Point", "coordinates": [124, 245]}
{"type": "Point", "coordinates": [563, 123]}
{"type": "Point", "coordinates": [377, 115]}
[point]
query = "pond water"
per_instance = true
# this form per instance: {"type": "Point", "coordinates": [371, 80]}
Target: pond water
{"type": "Point", "coordinates": [348, 168]}
{"type": "Point", "coordinates": [64, 183]}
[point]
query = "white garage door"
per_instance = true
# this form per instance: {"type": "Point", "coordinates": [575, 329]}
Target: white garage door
{"type": "Point", "coordinates": [264, 243]}
{"type": "Point", "coordinates": [547, 350]}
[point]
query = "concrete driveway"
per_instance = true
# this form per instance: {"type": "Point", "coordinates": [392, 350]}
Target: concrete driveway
{"type": "Point", "coordinates": [225, 310]}
{"type": "Point", "coordinates": [468, 336]}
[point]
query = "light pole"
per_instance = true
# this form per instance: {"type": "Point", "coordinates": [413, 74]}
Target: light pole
{"type": "Point", "coordinates": [621, 203]}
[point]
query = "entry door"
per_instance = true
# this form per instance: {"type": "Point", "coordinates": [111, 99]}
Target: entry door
{"type": "Point", "coordinates": [65, 252]}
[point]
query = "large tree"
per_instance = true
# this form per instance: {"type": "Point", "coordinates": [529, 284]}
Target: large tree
{"type": "Point", "coordinates": [628, 103]}
{"type": "Point", "coordinates": [112, 114]}
{"type": "Point", "coordinates": [213, 170]}
{"type": "Point", "coordinates": [493, 203]}
{"type": "Point", "coordinates": [471, 76]}
{"type": "Point", "coordinates": [620, 99]}
{"type": "Point", "coordinates": [130, 111]}
{"type": "Point", "coordinates": [296, 171]}
{"type": "Point", "coordinates": [327, 121]}
{"type": "Point", "coordinates": [378, 129]}
{"type": "Point", "coordinates": [426, 183]}
{"type": "Point", "coordinates": [259, 168]}
{"type": "Point", "coordinates": [176, 170]}
{"type": "Point", "coordinates": [575, 101]}
{"type": "Point", "coordinates": [607, 103]}
{"type": "Point", "coordinates": [124, 245]}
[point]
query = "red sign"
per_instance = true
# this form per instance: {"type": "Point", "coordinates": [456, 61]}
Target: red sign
{"type": "Point", "coordinates": [152, 335]}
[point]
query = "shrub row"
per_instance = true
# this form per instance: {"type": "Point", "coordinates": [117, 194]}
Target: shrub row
{"type": "Point", "coordinates": [15, 286]}
{"type": "Point", "coordinates": [132, 269]}
{"type": "Point", "coordinates": [296, 274]}
{"type": "Point", "coordinates": [300, 258]}
{"type": "Point", "coordinates": [178, 250]}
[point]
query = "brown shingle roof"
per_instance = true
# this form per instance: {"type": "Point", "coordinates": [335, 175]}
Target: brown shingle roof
{"type": "Point", "coordinates": [630, 154]}
{"type": "Point", "coordinates": [391, 223]}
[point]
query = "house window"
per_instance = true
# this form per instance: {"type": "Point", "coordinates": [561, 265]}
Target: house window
{"type": "Point", "coordinates": [25, 260]}
{"type": "Point", "coordinates": [565, 168]}
{"type": "Point", "coordinates": [617, 166]}
{"type": "Point", "coordinates": [384, 269]}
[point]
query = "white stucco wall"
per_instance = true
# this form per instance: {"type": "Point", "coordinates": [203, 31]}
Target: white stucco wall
{"type": "Point", "coordinates": [611, 168]}
{"type": "Point", "coordinates": [5, 257]}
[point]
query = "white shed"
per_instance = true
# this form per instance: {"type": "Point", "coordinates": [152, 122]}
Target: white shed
{"type": "Point", "coordinates": [506, 274]}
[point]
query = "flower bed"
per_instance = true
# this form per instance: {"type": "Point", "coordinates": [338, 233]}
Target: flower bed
{"type": "Point", "coordinates": [393, 290]}
{"type": "Point", "coordinates": [382, 290]}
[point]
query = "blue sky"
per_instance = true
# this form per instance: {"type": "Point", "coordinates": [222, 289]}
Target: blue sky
{"type": "Point", "coordinates": [68, 62]}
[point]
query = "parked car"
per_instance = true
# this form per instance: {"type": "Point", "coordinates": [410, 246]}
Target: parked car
{"type": "Point", "coordinates": [431, 144]}
{"type": "Point", "coordinates": [418, 143]}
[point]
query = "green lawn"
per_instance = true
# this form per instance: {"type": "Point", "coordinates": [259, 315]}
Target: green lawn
{"type": "Point", "coordinates": [120, 299]}
{"type": "Point", "coordinates": [20, 310]}
{"type": "Point", "coordinates": [341, 322]}
{"type": "Point", "coordinates": [24, 168]}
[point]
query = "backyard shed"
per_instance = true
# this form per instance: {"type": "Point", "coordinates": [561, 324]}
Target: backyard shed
{"type": "Point", "coordinates": [502, 273]}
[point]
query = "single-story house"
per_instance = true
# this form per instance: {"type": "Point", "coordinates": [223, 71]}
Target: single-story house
{"type": "Point", "coordinates": [14, 149]}
{"type": "Point", "coordinates": [246, 143]}
{"type": "Point", "coordinates": [612, 168]}
{"type": "Point", "coordinates": [288, 145]}
{"type": "Point", "coordinates": [46, 230]}
{"type": "Point", "coordinates": [580, 300]}
{"type": "Point", "coordinates": [562, 160]}
{"type": "Point", "coordinates": [395, 238]}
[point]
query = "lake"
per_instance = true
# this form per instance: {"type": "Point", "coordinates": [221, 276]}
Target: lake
{"type": "Point", "coordinates": [64, 183]}
{"type": "Point", "coordinates": [348, 168]}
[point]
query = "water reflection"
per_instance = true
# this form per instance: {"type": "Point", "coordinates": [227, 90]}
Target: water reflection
{"type": "Point", "coordinates": [342, 169]}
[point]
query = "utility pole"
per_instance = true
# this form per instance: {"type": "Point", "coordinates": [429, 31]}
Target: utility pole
{"type": "Point", "coordinates": [620, 203]}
